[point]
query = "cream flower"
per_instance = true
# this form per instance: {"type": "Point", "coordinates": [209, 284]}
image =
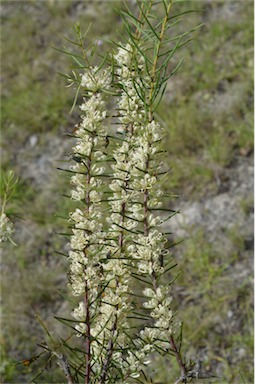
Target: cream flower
{"type": "Point", "coordinates": [6, 227]}
{"type": "Point", "coordinates": [94, 79]}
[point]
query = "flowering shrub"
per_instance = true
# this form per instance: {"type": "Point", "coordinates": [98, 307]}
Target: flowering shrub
{"type": "Point", "coordinates": [118, 252]}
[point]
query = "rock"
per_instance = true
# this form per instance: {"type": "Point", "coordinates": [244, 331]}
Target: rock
{"type": "Point", "coordinates": [38, 163]}
{"type": "Point", "coordinates": [217, 215]}
{"type": "Point", "coordinates": [33, 140]}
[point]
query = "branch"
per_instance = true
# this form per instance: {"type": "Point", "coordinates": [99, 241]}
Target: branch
{"type": "Point", "coordinates": [63, 363]}
{"type": "Point", "coordinates": [183, 377]}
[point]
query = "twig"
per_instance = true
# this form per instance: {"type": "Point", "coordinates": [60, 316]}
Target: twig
{"type": "Point", "coordinates": [109, 353]}
{"type": "Point", "coordinates": [87, 341]}
{"type": "Point", "coordinates": [180, 362]}
{"type": "Point", "coordinates": [63, 363]}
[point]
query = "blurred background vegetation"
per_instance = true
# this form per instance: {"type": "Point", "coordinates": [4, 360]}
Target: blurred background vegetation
{"type": "Point", "coordinates": [208, 115]}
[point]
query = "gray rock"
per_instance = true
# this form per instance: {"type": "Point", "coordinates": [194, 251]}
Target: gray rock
{"type": "Point", "coordinates": [33, 140]}
{"type": "Point", "coordinates": [216, 215]}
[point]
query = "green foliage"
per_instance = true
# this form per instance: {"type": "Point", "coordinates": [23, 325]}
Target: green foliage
{"type": "Point", "coordinates": [210, 116]}
{"type": "Point", "coordinates": [212, 306]}
{"type": "Point", "coordinates": [7, 369]}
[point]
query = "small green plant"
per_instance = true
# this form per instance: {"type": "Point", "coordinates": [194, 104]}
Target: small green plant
{"type": "Point", "coordinates": [7, 189]}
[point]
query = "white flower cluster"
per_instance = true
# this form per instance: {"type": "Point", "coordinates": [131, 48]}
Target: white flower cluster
{"type": "Point", "coordinates": [116, 304]}
{"type": "Point", "coordinates": [6, 228]}
{"type": "Point", "coordinates": [102, 262]}
{"type": "Point", "coordinates": [87, 240]}
{"type": "Point", "coordinates": [97, 261]}
{"type": "Point", "coordinates": [96, 79]}
{"type": "Point", "coordinates": [134, 361]}
{"type": "Point", "coordinates": [148, 251]}
{"type": "Point", "coordinates": [131, 105]}
{"type": "Point", "coordinates": [135, 165]}
{"type": "Point", "coordinates": [88, 149]}
{"type": "Point", "coordinates": [135, 188]}
{"type": "Point", "coordinates": [159, 302]}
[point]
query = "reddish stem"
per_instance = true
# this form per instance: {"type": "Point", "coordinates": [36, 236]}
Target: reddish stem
{"type": "Point", "coordinates": [109, 353]}
{"type": "Point", "coordinates": [86, 298]}
{"type": "Point", "coordinates": [179, 360]}
{"type": "Point", "coordinates": [87, 340]}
